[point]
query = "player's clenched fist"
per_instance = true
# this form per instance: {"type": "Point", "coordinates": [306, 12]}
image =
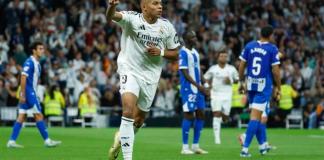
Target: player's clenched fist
{"type": "Point", "coordinates": [113, 2]}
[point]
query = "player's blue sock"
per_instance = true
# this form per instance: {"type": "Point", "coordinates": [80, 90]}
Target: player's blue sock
{"type": "Point", "coordinates": [42, 129]}
{"type": "Point", "coordinates": [250, 132]}
{"type": "Point", "coordinates": [197, 130]}
{"type": "Point", "coordinates": [263, 128]}
{"type": "Point", "coordinates": [15, 131]}
{"type": "Point", "coordinates": [259, 135]}
{"type": "Point", "coordinates": [186, 124]}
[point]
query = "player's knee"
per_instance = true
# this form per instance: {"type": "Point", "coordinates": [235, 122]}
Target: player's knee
{"type": "Point", "coordinates": [21, 118]}
{"type": "Point", "coordinates": [200, 115]}
{"type": "Point", "coordinates": [38, 117]}
{"type": "Point", "coordinates": [128, 110]}
{"type": "Point", "coordinates": [188, 115]}
{"type": "Point", "coordinates": [217, 114]}
{"type": "Point", "coordinates": [264, 120]}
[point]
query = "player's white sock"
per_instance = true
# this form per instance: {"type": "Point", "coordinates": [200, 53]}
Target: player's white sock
{"type": "Point", "coordinates": [245, 149]}
{"type": "Point", "coordinates": [195, 146]}
{"type": "Point", "coordinates": [217, 129]}
{"type": "Point", "coordinates": [185, 146]}
{"type": "Point", "coordinates": [127, 137]}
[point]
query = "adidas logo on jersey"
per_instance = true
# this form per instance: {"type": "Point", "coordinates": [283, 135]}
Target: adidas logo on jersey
{"type": "Point", "coordinates": [142, 27]}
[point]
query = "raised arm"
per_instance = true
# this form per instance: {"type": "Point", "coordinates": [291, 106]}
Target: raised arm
{"type": "Point", "coordinates": [111, 13]}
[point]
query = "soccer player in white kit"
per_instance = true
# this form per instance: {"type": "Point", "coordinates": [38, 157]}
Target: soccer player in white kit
{"type": "Point", "coordinates": [146, 39]}
{"type": "Point", "coordinates": [222, 76]}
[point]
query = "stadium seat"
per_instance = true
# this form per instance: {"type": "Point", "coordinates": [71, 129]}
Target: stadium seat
{"type": "Point", "coordinates": [8, 113]}
{"type": "Point", "coordinates": [295, 119]}
{"type": "Point", "coordinates": [89, 121]}
{"type": "Point", "coordinates": [243, 120]}
{"type": "Point", "coordinates": [321, 125]}
{"type": "Point", "coordinates": [55, 119]}
{"type": "Point", "coordinates": [85, 121]}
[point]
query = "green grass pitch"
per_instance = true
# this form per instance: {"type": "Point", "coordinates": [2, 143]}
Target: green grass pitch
{"type": "Point", "coordinates": [160, 144]}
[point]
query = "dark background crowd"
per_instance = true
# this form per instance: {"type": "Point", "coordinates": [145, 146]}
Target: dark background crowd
{"type": "Point", "coordinates": [82, 48]}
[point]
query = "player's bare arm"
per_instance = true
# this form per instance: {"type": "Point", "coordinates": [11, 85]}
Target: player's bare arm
{"type": "Point", "coordinates": [188, 77]}
{"type": "Point", "coordinates": [22, 94]}
{"type": "Point", "coordinates": [242, 77]}
{"type": "Point", "coordinates": [277, 81]}
{"type": "Point", "coordinates": [111, 13]}
{"type": "Point", "coordinates": [170, 54]}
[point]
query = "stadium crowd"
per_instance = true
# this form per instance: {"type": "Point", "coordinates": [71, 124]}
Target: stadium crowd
{"type": "Point", "coordinates": [82, 48]}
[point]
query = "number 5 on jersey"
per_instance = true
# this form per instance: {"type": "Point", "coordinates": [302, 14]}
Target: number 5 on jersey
{"type": "Point", "coordinates": [256, 66]}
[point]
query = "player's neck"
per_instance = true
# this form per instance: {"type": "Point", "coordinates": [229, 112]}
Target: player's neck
{"type": "Point", "coordinates": [264, 39]}
{"type": "Point", "coordinates": [190, 47]}
{"type": "Point", "coordinates": [149, 19]}
{"type": "Point", "coordinates": [221, 65]}
{"type": "Point", "coordinates": [36, 57]}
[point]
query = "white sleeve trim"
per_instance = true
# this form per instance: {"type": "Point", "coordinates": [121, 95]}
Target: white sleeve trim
{"type": "Point", "coordinates": [275, 63]}
{"type": "Point", "coordinates": [183, 67]}
{"type": "Point", "coordinates": [241, 58]}
{"type": "Point", "coordinates": [24, 73]}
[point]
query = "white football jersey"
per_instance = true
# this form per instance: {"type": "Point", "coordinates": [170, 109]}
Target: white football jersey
{"type": "Point", "coordinates": [136, 37]}
{"type": "Point", "coordinates": [220, 90]}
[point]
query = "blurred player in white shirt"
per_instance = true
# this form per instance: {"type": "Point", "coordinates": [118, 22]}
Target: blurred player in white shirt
{"type": "Point", "coordinates": [221, 76]}
{"type": "Point", "coordinates": [146, 39]}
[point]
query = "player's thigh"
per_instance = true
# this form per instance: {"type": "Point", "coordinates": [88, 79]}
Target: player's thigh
{"type": "Point", "coordinates": [259, 101]}
{"type": "Point", "coordinates": [189, 102]}
{"type": "Point", "coordinates": [216, 104]}
{"type": "Point", "coordinates": [128, 84]}
{"type": "Point", "coordinates": [146, 95]}
{"type": "Point", "coordinates": [227, 104]}
{"type": "Point", "coordinates": [201, 102]}
{"type": "Point", "coordinates": [32, 104]}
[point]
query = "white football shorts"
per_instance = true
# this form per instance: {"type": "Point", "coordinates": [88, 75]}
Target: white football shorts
{"type": "Point", "coordinates": [222, 105]}
{"type": "Point", "coordinates": [144, 91]}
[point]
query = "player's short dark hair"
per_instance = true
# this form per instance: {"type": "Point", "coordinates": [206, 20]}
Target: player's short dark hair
{"type": "Point", "coordinates": [222, 51]}
{"type": "Point", "coordinates": [35, 45]}
{"type": "Point", "coordinates": [266, 31]}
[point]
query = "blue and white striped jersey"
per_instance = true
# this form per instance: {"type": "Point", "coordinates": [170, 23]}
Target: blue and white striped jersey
{"type": "Point", "coordinates": [189, 59]}
{"type": "Point", "coordinates": [260, 57]}
{"type": "Point", "coordinates": [32, 70]}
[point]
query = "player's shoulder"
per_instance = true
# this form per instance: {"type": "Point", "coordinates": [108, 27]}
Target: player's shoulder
{"type": "Point", "coordinates": [165, 22]}
{"type": "Point", "coordinates": [213, 67]}
{"type": "Point", "coordinates": [273, 46]}
{"type": "Point", "coordinates": [29, 61]}
{"type": "Point", "coordinates": [231, 67]}
{"type": "Point", "coordinates": [251, 44]}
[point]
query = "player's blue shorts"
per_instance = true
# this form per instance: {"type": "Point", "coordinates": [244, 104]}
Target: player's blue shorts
{"type": "Point", "coordinates": [259, 101]}
{"type": "Point", "coordinates": [32, 103]}
{"type": "Point", "coordinates": [193, 101]}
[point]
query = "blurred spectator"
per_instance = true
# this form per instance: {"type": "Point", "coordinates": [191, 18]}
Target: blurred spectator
{"type": "Point", "coordinates": [54, 102]}
{"type": "Point", "coordinates": [3, 93]}
{"type": "Point", "coordinates": [19, 55]}
{"type": "Point", "coordinates": [312, 114]}
{"type": "Point", "coordinates": [286, 102]}
{"type": "Point", "coordinates": [4, 49]}
{"type": "Point", "coordinates": [88, 103]}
